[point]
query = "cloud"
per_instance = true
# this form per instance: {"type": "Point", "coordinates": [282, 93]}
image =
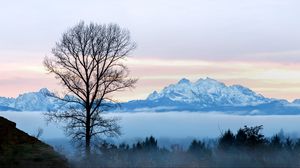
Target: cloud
{"type": "Point", "coordinates": [196, 29]}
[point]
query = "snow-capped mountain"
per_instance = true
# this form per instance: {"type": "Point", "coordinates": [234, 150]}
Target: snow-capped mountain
{"type": "Point", "coordinates": [204, 95]}
{"type": "Point", "coordinates": [7, 102]}
{"type": "Point", "coordinates": [208, 92]}
{"type": "Point", "coordinates": [32, 101]}
{"type": "Point", "coordinates": [211, 95]}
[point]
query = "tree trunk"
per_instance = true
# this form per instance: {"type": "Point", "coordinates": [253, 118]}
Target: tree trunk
{"type": "Point", "coordinates": [88, 135]}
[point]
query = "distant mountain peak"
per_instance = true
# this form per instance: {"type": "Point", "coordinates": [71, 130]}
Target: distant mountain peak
{"type": "Point", "coordinates": [153, 95]}
{"type": "Point", "coordinates": [208, 80]}
{"type": "Point", "coordinates": [208, 91]}
{"type": "Point", "coordinates": [31, 101]}
{"type": "Point", "coordinates": [210, 95]}
{"type": "Point", "coordinates": [184, 81]}
{"type": "Point", "coordinates": [44, 90]}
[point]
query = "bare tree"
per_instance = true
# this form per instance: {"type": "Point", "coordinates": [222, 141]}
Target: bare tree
{"type": "Point", "coordinates": [88, 63]}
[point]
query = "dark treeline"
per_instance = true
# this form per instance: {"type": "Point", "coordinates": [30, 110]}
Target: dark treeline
{"type": "Point", "coordinates": [248, 147]}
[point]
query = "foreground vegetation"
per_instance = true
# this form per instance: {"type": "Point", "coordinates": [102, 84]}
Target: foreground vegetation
{"type": "Point", "coordinates": [246, 148]}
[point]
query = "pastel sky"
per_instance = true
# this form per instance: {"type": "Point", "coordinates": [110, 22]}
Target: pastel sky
{"type": "Point", "coordinates": [253, 43]}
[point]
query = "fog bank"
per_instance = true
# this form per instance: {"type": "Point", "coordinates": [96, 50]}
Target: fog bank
{"type": "Point", "coordinates": [166, 125]}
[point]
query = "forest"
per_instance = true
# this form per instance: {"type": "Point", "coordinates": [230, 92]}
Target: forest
{"type": "Point", "coordinates": [248, 147]}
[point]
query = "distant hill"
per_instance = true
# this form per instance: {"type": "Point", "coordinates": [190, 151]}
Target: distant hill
{"type": "Point", "coordinates": [204, 95]}
{"type": "Point", "coordinates": [18, 149]}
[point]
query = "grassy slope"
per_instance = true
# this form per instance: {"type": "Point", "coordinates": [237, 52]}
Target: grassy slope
{"type": "Point", "coordinates": [18, 149]}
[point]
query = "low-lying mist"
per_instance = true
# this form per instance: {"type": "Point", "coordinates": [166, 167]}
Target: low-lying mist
{"type": "Point", "coordinates": [167, 124]}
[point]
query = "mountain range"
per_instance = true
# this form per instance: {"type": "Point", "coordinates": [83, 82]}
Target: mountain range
{"type": "Point", "coordinates": [204, 95]}
{"type": "Point", "coordinates": [32, 101]}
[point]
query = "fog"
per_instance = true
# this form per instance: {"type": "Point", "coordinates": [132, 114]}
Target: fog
{"type": "Point", "coordinates": [166, 125]}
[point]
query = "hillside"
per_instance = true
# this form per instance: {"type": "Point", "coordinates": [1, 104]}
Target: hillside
{"type": "Point", "coordinates": [19, 150]}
